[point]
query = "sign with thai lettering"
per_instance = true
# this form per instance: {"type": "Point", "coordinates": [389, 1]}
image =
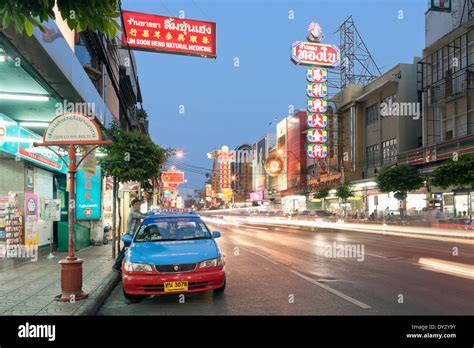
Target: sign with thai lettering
{"type": "Point", "coordinates": [172, 176]}
{"type": "Point", "coordinates": [312, 53]}
{"type": "Point", "coordinates": [169, 34]}
{"type": "Point", "coordinates": [72, 127]}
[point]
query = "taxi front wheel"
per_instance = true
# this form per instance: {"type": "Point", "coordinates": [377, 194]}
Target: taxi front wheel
{"type": "Point", "coordinates": [220, 290]}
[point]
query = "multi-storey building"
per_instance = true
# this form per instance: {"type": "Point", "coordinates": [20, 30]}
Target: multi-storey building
{"type": "Point", "coordinates": [44, 75]}
{"type": "Point", "coordinates": [241, 170]}
{"type": "Point", "coordinates": [445, 81]}
{"type": "Point", "coordinates": [376, 122]}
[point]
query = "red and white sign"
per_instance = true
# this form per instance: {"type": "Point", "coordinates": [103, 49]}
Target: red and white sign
{"type": "Point", "coordinates": [33, 154]}
{"type": "Point", "coordinates": [317, 105]}
{"type": "Point", "coordinates": [311, 53]}
{"type": "Point", "coordinates": [317, 120]}
{"type": "Point", "coordinates": [317, 75]}
{"type": "Point", "coordinates": [317, 135]}
{"type": "Point", "coordinates": [317, 151]}
{"type": "Point", "coordinates": [175, 177]}
{"type": "Point", "coordinates": [169, 34]}
{"type": "Point", "coordinates": [225, 175]}
{"type": "Point", "coordinates": [317, 90]}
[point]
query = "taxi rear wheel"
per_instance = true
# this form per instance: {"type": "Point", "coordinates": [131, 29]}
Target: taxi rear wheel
{"type": "Point", "coordinates": [220, 290]}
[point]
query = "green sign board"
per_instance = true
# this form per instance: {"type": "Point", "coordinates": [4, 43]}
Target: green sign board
{"type": "Point", "coordinates": [18, 141]}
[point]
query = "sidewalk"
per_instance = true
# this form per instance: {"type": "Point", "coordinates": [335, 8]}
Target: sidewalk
{"type": "Point", "coordinates": [29, 288]}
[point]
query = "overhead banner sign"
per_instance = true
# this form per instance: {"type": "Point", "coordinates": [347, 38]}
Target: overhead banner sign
{"type": "Point", "coordinates": [169, 34]}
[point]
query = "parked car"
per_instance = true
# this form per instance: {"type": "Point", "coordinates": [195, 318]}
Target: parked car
{"type": "Point", "coordinates": [172, 253]}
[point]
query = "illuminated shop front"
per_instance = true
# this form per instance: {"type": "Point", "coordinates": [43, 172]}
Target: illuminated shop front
{"type": "Point", "coordinates": [40, 75]}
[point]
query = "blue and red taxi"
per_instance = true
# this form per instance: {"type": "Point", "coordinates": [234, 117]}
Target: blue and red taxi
{"type": "Point", "coordinates": [172, 253]}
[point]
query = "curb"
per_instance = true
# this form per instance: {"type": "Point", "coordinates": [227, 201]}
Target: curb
{"type": "Point", "coordinates": [98, 296]}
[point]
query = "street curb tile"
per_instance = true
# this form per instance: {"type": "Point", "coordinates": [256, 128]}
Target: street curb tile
{"type": "Point", "coordinates": [98, 296]}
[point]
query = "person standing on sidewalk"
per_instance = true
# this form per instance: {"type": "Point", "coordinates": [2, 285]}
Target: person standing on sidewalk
{"type": "Point", "coordinates": [134, 219]}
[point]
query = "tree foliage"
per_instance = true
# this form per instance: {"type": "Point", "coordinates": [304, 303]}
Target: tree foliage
{"type": "Point", "coordinates": [400, 179]}
{"type": "Point", "coordinates": [458, 173]}
{"type": "Point", "coordinates": [95, 15]}
{"type": "Point", "coordinates": [141, 113]}
{"type": "Point", "coordinates": [344, 191]}
{"type": "Point", "coordinates": [133, 156]}
{"type": "Point", "coordinates": [322, 193]}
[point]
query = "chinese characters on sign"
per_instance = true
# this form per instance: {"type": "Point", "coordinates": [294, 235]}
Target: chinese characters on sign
{"type": "Point", "coordinates": [172, 176]}
{"type": "Point", "coordinates": [317, 108]}
{"type": "Point", "coordinates": [319, 57]}
{"type": "Point", "coordinates": [169, 35]}
{"type": "Point", "coordinates": [317, 150]}
{"type": "Point", "coordinates": [88, 202]}
{"type": "Point", "coordinates": [224, 157]}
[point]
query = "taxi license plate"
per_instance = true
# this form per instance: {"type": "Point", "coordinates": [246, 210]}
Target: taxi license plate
{"type": "Point", "coordinates": [176, 286]}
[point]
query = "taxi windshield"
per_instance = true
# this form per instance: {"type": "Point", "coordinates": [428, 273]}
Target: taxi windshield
{"type": "Point", "coordinates": [172, 229]}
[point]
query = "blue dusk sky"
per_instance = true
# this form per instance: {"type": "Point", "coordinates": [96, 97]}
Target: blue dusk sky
{"type": "Point", "coordinates": [229, 105]}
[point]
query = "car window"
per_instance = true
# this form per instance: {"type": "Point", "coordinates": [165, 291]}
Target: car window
{"type": "Point", "coordinates": [171, 229]}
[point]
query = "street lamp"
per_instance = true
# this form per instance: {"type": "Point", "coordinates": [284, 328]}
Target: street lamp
{"type": "Point", "coordinates": [179, 154]}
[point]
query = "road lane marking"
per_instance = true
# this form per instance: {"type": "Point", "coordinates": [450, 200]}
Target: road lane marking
{"type": "Point", "coordinates": [331, 290]}
{"type": "Point", "coordinates": [252, 227]}
{"type": "Point", "coordinates": [325, 287]}
{"type": "Point", "coordinates": [265, 257]}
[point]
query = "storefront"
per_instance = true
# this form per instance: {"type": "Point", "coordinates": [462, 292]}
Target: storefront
{"type": "Point", "coordinates": [30, 178]}
{"type": "Point", "coordinates": [383, 204]}
{"type": "Point", "coordinates": [456, 204]}
{"type": "Point", "coordinates": [293, 203]}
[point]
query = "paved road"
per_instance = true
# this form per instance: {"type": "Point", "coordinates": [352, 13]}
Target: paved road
{"type": "Point", "coordinates": [288, 270]}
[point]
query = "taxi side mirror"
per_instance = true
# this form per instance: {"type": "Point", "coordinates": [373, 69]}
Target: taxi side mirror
{"type": "Point", "coordinates": [216, 234]}
{"type": "Point", "coordinates": [127, 239]}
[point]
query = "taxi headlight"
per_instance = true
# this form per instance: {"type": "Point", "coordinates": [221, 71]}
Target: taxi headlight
{"type": "Point", "coordinates": [137, 267]}
{"type": "Point", "coordinates": [212, 263]}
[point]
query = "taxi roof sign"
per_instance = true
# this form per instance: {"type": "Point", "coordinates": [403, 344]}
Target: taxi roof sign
{"type": "Point", "coordinates": [175, 210]}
